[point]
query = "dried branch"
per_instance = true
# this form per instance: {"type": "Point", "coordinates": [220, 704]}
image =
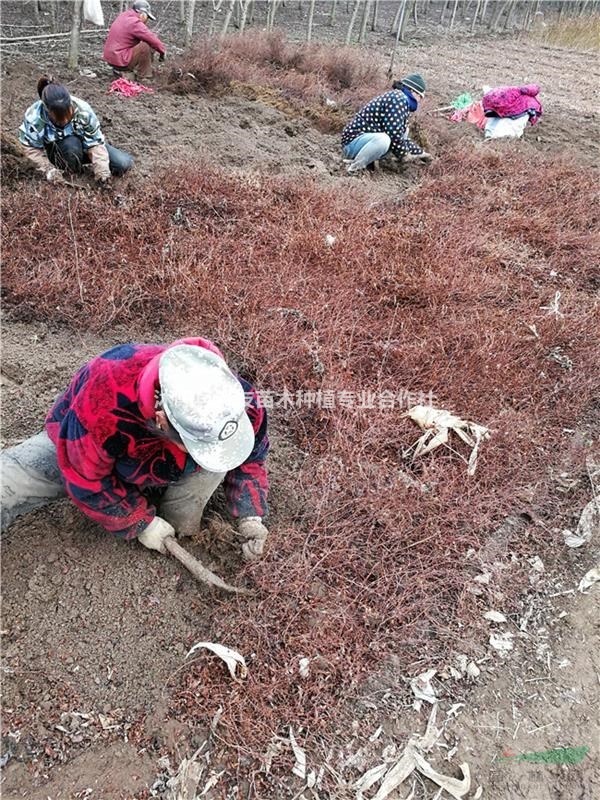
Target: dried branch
{"type": "Point", "coordinates": [198, 570]}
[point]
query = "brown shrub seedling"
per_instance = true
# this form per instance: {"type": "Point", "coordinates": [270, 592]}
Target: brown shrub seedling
{"type": "Point", "coordinates": [451, 290]}
{"type": "Point", "coordinates": [299, 80]}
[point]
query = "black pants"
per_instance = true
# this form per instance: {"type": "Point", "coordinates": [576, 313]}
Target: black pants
{"type": "Point", "coordinates": [68, 153]}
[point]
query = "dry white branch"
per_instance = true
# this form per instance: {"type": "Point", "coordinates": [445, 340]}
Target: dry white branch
{"type": "Point", "coordinates": [437, 424]}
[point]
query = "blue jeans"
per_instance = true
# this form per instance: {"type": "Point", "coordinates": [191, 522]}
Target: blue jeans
{"type": "Point", "coordinates": [68, 153]}
{"type": "Point", "coordinates": [366, 148]}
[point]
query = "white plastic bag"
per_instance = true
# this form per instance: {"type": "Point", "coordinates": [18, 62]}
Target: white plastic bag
{"type": "Point", "coordinates": [92, 11]}
{"type": "Point", "coordinates": [501, 127]}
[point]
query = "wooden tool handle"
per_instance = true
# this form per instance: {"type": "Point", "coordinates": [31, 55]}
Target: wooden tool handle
{"type": "Point", "coordinates": [197, 568]}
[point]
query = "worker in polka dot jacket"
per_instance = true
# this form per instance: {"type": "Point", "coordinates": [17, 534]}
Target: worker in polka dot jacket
{"type": "Point", "coordinates": [382, 126]}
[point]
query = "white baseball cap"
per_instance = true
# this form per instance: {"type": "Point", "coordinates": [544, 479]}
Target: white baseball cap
{"type": "Point", "coordinates": [206, 405]}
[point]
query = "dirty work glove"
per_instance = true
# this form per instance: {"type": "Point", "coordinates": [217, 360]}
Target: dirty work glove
{"type": "Point", "coordinates": [154, 535]}
{"type": "Point", "coordinates": [255, 533]}
{"type": "Point", "coordinates": [103, 182]}
{"type": "Point", "coordinates": [425, 158]}
{"type": "Point", "coordinates": [54, 176]}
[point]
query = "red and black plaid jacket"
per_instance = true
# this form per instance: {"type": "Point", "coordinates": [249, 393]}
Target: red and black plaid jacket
{"type": "Point", "coordinates": [109, 454]}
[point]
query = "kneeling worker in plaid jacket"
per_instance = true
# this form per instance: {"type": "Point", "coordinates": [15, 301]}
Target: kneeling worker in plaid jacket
{"type": "Point", "coordinates": [141, 439]}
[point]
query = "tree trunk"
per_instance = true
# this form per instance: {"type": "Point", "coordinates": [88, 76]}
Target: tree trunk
{"type": "Point", "coordinates": [271, 14]}
{"type": "Point", "coordinates": [499, 14]}
{"type": "Point", "coordinates": [484, 11]}
{"type": "Point", "coordinates": [444, 7]}
{"type": "Point", "coordinates": [453, 14]}
{"type": "Point", "coordinates": [182, 12]}
{"type": "Point", "coordinates": [227, 19]}
{"type": "Point", "coordinates": [332, 13]}
{"type": "Point", "coordinates": [75, 28]}
{"type": "Point", "coordinates": [396, 19]}
{"type": "Point", "coordinates": [244, 15]}
{"type": "Point", "coordinates": [189, 23]}
{"type": "Point", "coordinates": [352, 21]}
{"type": "Point", "coordinates": [311, 16]}
{"type": "Point", "coordinates": [375, 15]}
{"type": "Point", "coordinates": [393, 58]}
{"type": "Point", "coordinates": [213, 19]}
{"type": "Point", "coordinates": [474, 22]}
{"type": "Point", "coordinates": [365, 19]}
{"type": "Point", "coordinates": [415, 14]}
{"type": "Point", "coordinates": [403, 20]}
{"type": "Point", "coordinates": [509, 16]}
{"type": "Point", "coordinates": [53, 19]}
{"type": "Point", "coordinates": [526, 20]}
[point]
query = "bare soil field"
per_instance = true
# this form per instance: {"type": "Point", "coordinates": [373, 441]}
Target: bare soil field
{"type": "Point", "coordinates": [94, 638]}
{"type": "Point", "coordinates": [95, 633]}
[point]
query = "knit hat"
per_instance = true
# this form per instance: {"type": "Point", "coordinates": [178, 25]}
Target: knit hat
{"type": "Point", "coordinates": [414, 82]}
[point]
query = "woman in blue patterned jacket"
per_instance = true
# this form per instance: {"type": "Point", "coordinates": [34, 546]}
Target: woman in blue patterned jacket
{"type": "Point", "coordinates": [61, 132]}
{"type": "Point", "coordinates": [382, 126]}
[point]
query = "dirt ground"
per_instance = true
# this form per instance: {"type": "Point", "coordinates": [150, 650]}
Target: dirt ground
{"type": "Point", "coordinates": [546, 696]}
{"type": "Point", "coordinates": [93, 631]}
{"type": "Point", "coordinates": [250, 136]}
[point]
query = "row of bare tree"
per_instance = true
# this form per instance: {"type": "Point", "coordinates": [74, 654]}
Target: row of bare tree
{"type": "Point", "coordinates": [495, 15]}
{"type": "Point", "coordinates": [362, 16]}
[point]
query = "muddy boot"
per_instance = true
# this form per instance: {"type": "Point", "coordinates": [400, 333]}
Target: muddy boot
{"type": "Point", "coordinates": [123, 73]}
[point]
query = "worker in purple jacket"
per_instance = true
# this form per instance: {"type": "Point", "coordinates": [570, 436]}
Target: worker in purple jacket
{"type": "Point", "coordinates": [130, 45]}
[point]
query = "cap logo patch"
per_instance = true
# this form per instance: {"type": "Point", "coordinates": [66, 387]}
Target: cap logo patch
{"type": "Point", "coordinates": [228, 430]}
